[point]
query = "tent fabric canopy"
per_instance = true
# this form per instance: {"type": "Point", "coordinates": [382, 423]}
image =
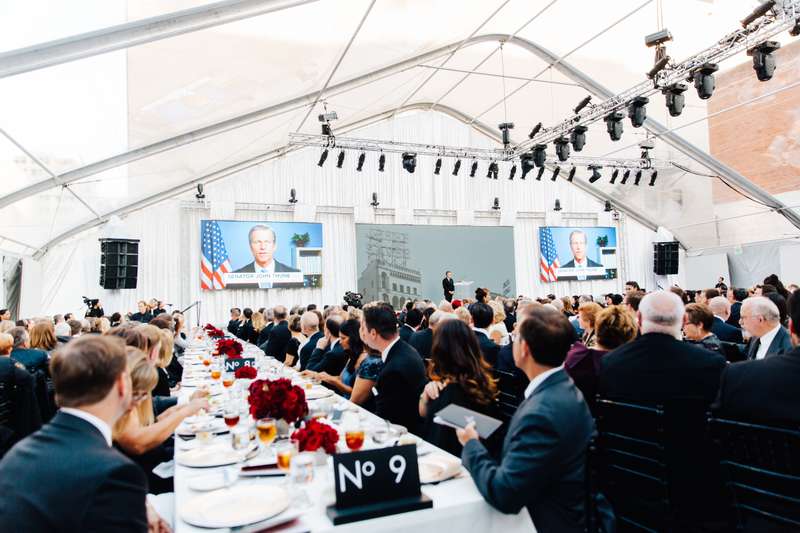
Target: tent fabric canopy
{"type": "Point", "coordinates": [113, 132]}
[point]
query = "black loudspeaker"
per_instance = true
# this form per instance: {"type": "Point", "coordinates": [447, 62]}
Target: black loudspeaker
{"type": "Point", "coordinates": [665, 258]}
{"type": "Point", "coordinates": [119, 263]}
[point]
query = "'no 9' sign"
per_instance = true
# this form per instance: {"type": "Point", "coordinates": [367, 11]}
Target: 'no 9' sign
{"type": "Point", "coordinates": [376, 475]}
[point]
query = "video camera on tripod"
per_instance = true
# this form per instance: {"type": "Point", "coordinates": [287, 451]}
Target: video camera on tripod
{"type": "Point", "coordinates": [354, 299]}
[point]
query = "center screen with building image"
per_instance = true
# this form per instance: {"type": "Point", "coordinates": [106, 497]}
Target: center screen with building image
{"type": "Point", "coordinates": [396, 263]}
{"type": "Point", "coordinates": [577, 253]}
{"type": "Point", "coordinates": [238, 254]}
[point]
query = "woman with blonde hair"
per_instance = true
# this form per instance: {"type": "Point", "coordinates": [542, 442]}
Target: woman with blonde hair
{"type": "Point", "coordinates": [43, 337]}
{"type": "Point", "coordinates": [165, 355]}
{"type": "Point", "coordinates": [152, 341]}
{"type": "Point", "coordinates": [258, 322]}
{"type": "Point", "coordinates": [498, 331]}
{"type": "Point", "coordinates": [587, 312]}
{"type": "Point", "coordinates": [463, 315]}
{"type": "Point", "coordinates": [101, 325]}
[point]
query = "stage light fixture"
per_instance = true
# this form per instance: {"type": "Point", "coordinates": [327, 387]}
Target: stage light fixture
{"type": "Point", "coordinates": [653, 177]}
{"type": "Point", "coordinates": [607, 207]}
{"type": "Point", "coordinates": [638, 177]}
{"type": "Point", "coordinates": [704, 80]}
{"type": "Point", "coordinates": [526, 164]}
{"type": "Point", "coordinates": [637, 111]}
{"type": "Point", "coordinates": [625, 176]}
{"type": "Point", "coordinates": [340, 159]}
{"type": "Point", "coordinates": [473, 169]}
{"type": "Point", "coordinates": [614, 125]}
{"type": "Point", "coordinates": [562, 148]}
{"type": "Point", "coordinates": [200, 195]}
{"type": "Point", "coordinates": [571, 175]}
{"type": "Point", "coordinates": [557, 207]}
{"type": "Point", "coordinates": [438, 167]}
{"type": "Point", "coordinates": [496, 204]}
{"type": "Point", "coordinates": [595, 173]}
{"type": "Point", "coordinates": [381, 162]}
{"type": "Point", "coordinates": [556, 172]}
{"type": "Point", "coordinates": [375, 202]}
{"type": "Point", "coordinates": [493, 170]}
{"type": "Point", "coordinates": [504, 127]}
{"type": "Point", "coordinates": [535, 130]}
{"type": "Point", "coordinates": [614, 176]}
{"type": "Point", "coordinates": [578, 137]}
{"type": "Point", "coordinates": [540, 173]}
{"type": "Point", "coordinates": [292, 196]}
{"type": "Point", "coordinates": [361, 159]}
{"type": "Point", "coordinates": [326, 130]}
{"type": "Point", "coordinates": [583, 103]}
{"type": "Point", "coordinates": [322, 157]}
{"type": "Point", "coordinates": [409, 162]}
{"type": "Point", "coordinates": [675, 98]}
{"type": "Point", "coordinates": [795, 31]}
{"type": "Point", "coordinates": [763, 59]}
{"type": "Point", "coordinates": [456, 167]}
{"type": "Point", "coordinates": [539, 154]}
{"type": "Point", "coordinates": [660, 65]}
{"type": "Point", "coordinates": [513, 171]}
{"type": "Point", "coordinates": [757, 13]}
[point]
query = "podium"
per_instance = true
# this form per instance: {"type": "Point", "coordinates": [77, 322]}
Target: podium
{"type": "Point", "coordinates": [463, 289]}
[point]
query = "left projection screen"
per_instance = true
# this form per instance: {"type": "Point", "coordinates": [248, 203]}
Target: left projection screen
{"type": "Point", "coordinates": [237, 254]}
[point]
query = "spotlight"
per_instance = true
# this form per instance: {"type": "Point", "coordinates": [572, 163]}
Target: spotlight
{"type": "Point", "coordinates": [763, 60]}
{"type": "Point", "coordinates": [526, 163]}
{"type": "Point", "coordinates": [540, 173]}
{"type": "Point", "coordinates": [409, 162]}
{"type": "Point", "coordinates": [474, 169]}
{"type": "Point", "coordinates": [535, 130]}
{"type": "Point", "coordinates": [326, 130]}
{"type": "Point", "coordinates": [556, 172]}
{"type": "Point", "coordinates": [323, 156]}
{"type": "Point", "coordinates": [557, 207]}
{"type": "Point", "coordinates": [578, 137]}
{"type": "Point", "coordinates": [438, 166]}
{"type": "Point", "coordinates": [493, 170]}
{"type": "Point", "coordinates": [658, 67]}
{"type": "Point", "coordinates": [614, 176]}
{"type": "Point", "coordinates": [292, 197]}
{"type": "Point", "coordinates": [653, 177]}
{"type": "Point", "coordinates": [658, 38]}
{"type": "Point", "coordinates": [375, 203]}
{"type": "Point", "coordinates": [625, 176]}
{"type": "Point", "coordinates": [562, 148]}
{"type": "Point", "coordinates": [638, 177]}
{"type": "Point", "coordinates": [200, 195]}
{"type": "Point", "coordinates": [513, 171]}
{"type": "Point", "coordinates": [637, 111]}
{"type": "Point", "coordinates": [614, 125]}
{"type": "Point", "coordinates": [361, 159]}
{"type": "Point", "coordinates": [595, 173]}
{"type": "Point", "coordinates": [496, 204]}
{"type": "Point", "coordinates": [757, 13]}
{"type": "Point", "coordinates": [539, 154]}
{"type": "Point", "coordinates": [583, 103]}
{"type": "Point", "coordinates": [504, 127]}
{"type": "Point", "coordinates": [381, 162]}
{"type": "Point", "coordinates": [456, 167]}
{"type": "Point", "coordinates": [795, 31]}
{"type": "Point", "coordinates": [608, 207]}
{"type": "Point", "coordinates": [571, 175]}
{"type": "Point", "coordinates": [340, 159]}
{"type": "Point", "coordinates": [704, 80]}
{"type": "Point", "coordinates": [675, 98]}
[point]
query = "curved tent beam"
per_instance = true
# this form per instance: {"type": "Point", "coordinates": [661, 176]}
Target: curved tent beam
{"type": "Point", "coordinates": [481, 127]}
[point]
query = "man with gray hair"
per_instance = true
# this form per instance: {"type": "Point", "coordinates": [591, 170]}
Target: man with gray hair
{"type": "Point", "coordinates": [721, 308]}
{"type": "Point", "coordinates": [22, 352]}
{"type": "Point", "coordinates": [422, 339]}
{"type": "Point", "coordinates": [309, 325]}
{"type": "Point", "coordinates": [658, 366]}
{"type": "Point", "coordinates": [760, 318]}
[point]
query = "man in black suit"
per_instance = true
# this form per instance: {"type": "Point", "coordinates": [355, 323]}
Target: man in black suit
{"type": "Point", "coordinates": [309, 325]}
{"type": "Point", "coordinates": [577, 243]}
{"type": "Point", "coordinates": [402, 379]}
{"type": "Point", "coordinates": [329, 356]}
{"type": "Point", "coordinates": [411, 324]}
{"type": "Point", "coordinates": [721, 308]}
{"type": "Point", "coordinates": [33, 360]}
{"type": "Point", "coordinates": [761, 320]}
{"type": "Point", "coordinates": [736, 297]}
{"type": "Point", "coordinates": [235, 321]}
{"type": "Point", "coordinates": [422, 339]}
{"type": "Point", "coordinates": [263, 243]}
{"type": "Point", "coordinates": [765, 390]}
{"type": "Point", "coordinates": [448, 286]}
{"type": "Point", "coordinates": [263, 335]}
{"type": "Point", "coordinates": [542, 466]}
{"type": "Point", "coordinates": [279, 336]}
{"type": "Point", "coordinates": [23, 407]}
{"type": "Point", "coordinates": [106, 490]}
{"type": "Point", "coordinates": [657, 366]}
{"type": "Point", "coordinates": [482, 317]}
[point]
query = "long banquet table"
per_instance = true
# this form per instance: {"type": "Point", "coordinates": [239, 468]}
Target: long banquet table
{"type": "Point", "coordinates": [457, 504]}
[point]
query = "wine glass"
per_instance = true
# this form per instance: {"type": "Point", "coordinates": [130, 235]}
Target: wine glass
{"type": "Point", "coordinates": [353, 432]}
{"type": "Point", "coordinates": [284, 453]}
{"type": "Point", "coordinates": [267, 430]}
{"type": "Point", "coordinates": [228, 379]}
{"type": "Point", "coordinates": [231, 414]}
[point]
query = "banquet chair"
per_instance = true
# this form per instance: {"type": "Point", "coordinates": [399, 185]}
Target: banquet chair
{"type": "Point", "coordinates": [762, 470]}
{"type": "Point", "coordinates": [511, 390]}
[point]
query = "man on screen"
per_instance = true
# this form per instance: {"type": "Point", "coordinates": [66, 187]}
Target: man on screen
{"type": "Point", "coordinates": [263, 243]}
{"type": "Point", "coordinates": [577, 243]}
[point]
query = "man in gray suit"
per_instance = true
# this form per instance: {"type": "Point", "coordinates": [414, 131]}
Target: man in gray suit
{"type": "Point", "coordinates": [761, 319]}
{"type": "Point", "coordinates": [544, 452]}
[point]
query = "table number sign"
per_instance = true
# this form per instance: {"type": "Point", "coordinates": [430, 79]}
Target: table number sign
{"type": "Point", "coordinates": [376, 483]}
{"type": "Point", "coordinates": [232, 365]}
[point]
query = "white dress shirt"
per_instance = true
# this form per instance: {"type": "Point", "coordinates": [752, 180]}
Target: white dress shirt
{"type": "Point", "coordinates": [538, 380]}
{"type": "Point", "coordinates": [766, 340]}
{"type": "Point", "coordinates": [269, 269]}
{"type": "Point", "coordinates": [485, 332]}
{"type": "Point", "coordinates": [385, 353]}
{"type": "Point", "coordinates": [101, 426]}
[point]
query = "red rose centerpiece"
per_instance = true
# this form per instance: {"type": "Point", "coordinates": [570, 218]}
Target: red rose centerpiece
{"type": "Point", "coordinates": [277, 399]}
{"type": "Point", "coordinates": [230, 348]}
{"type": "Point", "coordinates": [246, 372]}
{"type": "Point", "coordinates": [316, 435]}
{"type": "Point", "coordinates": [213, 332]}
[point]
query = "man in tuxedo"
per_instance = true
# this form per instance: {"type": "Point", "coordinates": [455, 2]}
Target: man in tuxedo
{"type": "Point", "coordinates": [309, 325]}
{"type": "Point", "coordinates": [448, 286]}
{"type": "Point", "coordinates": [106, 490]}
{"type": "Point", "coordinates": [577, 244]}
{"type": "Point", "coordinates": [263, 244]}
{"type": "Point", "coordinates": [658, 366]}
{"type": "Point", "coordinates": [279, 336]}
{"type": "Point", "coordinates": [721, 308]}
{"type": "Point", "coordinates": [542, 465]}
{"type": "Point", "coordinates": [33, 360]}
{"type": "Point", "coordinates": [411, 324]}
{"type": "Point", "coordinates": [329, 356]}
{"type": "Point", "coordinates": [482, 317]}
{"type": "Point", "coordinates": [760, 318]}
{"type": "Point", "coordinates": [736, 297]}
{"type": "Point", "coordinates": [403, 377]}
{"type": "Point", "coordinates": [765, 390]}
{"type": "Point", "coordinates": [235, 321]}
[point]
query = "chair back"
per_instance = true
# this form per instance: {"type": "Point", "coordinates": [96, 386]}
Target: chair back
{"type": "Point", "coordinates": [511, 391]}
{"type": "Point", "coordinates": [6, 403]}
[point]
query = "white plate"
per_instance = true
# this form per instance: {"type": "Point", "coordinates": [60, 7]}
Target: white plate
{"type": "Point", "coordinates": [438, 467]}
{"type": "Point", "coordinates": [315, 393]}
{"type": "Point", "coordinates": [215, 425]}
{"type": "Point", "coordinates": [235, 506]}
{"type": "Point", "coordinates": [207, 482]}
{"type": "Point", "coordinates": [219, 454]}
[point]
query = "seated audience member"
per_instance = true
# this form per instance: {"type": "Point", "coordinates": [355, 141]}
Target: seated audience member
{"type": "Point", "coordinates": [703, 297]}
{"type": "Point", "coordinates": [463, 314]}
{"type": "Point", "coordinates": [403, 375]}
{"type": "Point", "coordinates": [542, 465]}
{"type": "Point", "coordinates": [259, 322]}
{"type": "Point", "coordinates": [765, 390]}
{"type": "Point", "coordinates": [446, 306]}
{"type": "Point", "coordinates": [165, 357]}
{"type": "Point", "coordinates": [24, 415]}
{"type": "Point", "coordinates": [658, 366]}
{"type": "Point", "coordinates": [235, 321]}
{"type": "Point", "coordinates": [697, 324]}
{"type": "Point", "coordinates": [631, 286]}
{"type": "Point", "coordinates": [505, 357]}
{"type": "Point", "coordinates": [63, 332]}
{"type": "Point", "coordinates": [75, 327]}
{"type": "Point", "coordinates": [309, 326]}
{"type": "Point", "coordinates": [279, 335]}
{"type": "Point", "coordinates": [632, 301]}
{"type": "Point", "coordinates": [774, 281]}
{"type": "Point", "coordinates": [115, 320]}
{"type": "Point", "coordinates": [721, 309]}
{"type": "Point", "coordinates": [459, 375]}
{"type": "Point", "coordinates": [736, 297]}
{"type": "Point", "coordinates": [101, 325]}
{"type": "Point", "coordinates": [760, 318]}
{"type": "Point", "coordinates": [66, 476]}
{"type": "Point", "coordinates": [422, 340]}
{"type": "Point", "coordinates": [412, 322]}
{"type": "Point", "coordinates": [5, 314]}
{"type": "Point", "coordinates": [613, 327]}
{"type": "Point", "coordinates": [32, 359]}
{"type": "Point", "coordinates": [780, 303]}
{"type": "Point", "coordinates": [482, 318]}
{"type": "Point", "coordinates": [329, 355]}
{"type": "Point", "coordinates": [22, 323]}
{"type": "Point", "coordinates": [143, 315]}
{"type": "Point", "coordinates": [497, 330]}
{"type": "Point", "coordinates": [587, 312]}
{"type": "Point", "coordinates": [43, 337]}
{"type": "Point", "coordinates": [296, 341]}
{"type": "Point", "coordinates": [246, 331]}
{"type": "Point", "coordinates": [263, 335]}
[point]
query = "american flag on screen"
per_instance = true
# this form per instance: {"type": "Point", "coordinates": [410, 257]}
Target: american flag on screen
{"type": "Point", "coordinates": [548, 259]}
{"type": "Point", "coordinates": [215, 257]}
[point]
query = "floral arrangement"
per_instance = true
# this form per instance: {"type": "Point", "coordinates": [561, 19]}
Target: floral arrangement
{"type": "Point", "coordinates": [315, 435]}
{"type": "Point", "coordinates": [602, 241]}
{"type": "Point", "coordinates": [277, 399]}
{"type": "Point", "coordinates": [214, 333]}
{"type": "Point", "coordinates": [246, 372]}
{"type": "Point", "coordinates": [301, 239]}
{"type": "Point", "coordinates": [230, 348]}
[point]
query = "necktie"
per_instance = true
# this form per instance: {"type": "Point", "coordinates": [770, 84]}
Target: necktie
{"type": "Point", "coordinates": [756, 346]}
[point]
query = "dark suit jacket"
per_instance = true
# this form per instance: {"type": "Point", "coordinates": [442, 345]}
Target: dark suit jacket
{"type": "Point", "coordinates": [543, 459]}
{"type": "Point", "coordinates": [24, 415]}
{"type": "Point", "coordinates": [399, 385]}
{"type": "Point", "coordinates": [781, 343]}
{"type": "Point", "coordinates": [234, 325]}
{"type": "Point", "coordinates": [657, 367]}
{"type": "Point", "coordinates": [263, 335]}
{"type": "Point", "coordinates": [589, 263]}
{"type": "Point", "coordinates": [308, 349]}
{"type": "Point", "coordinates": [422, 342]}
{"type": "Point", "coordinates": [246, 332]}
{"type": "Point", "coordinates": [761, 391]}
{"type": "Point", "coordinates": [278, 340]}
{"type": "Point", "coordinates": [330, 360]}
{"type": "Point", "coordinates": [279, 267]}
{"type": "Point", "coordinates": [736, 313]}
{"type": "Point", "coordinates": [406, 332]}
{"type": "Point", "coordinates": [65, 477]}
{"type": "Point", "coordinates": [726, 332]}
{"type": "Point", "coordinates": [31, 359]}
{"type": "Point", "coordinates": [448, 288]}
{"type": "Point", "coordinates": [489, 348]}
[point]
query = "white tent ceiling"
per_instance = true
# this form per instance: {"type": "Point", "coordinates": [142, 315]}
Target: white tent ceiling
{"type": "Point", "coordinates": [129, 127]}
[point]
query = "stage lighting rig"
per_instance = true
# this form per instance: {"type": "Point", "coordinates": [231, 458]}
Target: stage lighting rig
{"type": "Point", "coordinates": [638, 177]}
{"type": "Point", "coordinates": [340, 159]}
{"type": "Point", "coordinates": [562, 148]}
{"type": "Point", "coordinates": [675, 98]}
{"type": "Point", "coordinates": [763, 59]}
{"type": "Point", "coordinates": [704, 81]}
{"type": "Point", "coordinates": [375, 203]}
{"type": "Point", "coordinates": [362, 156]}
{"type": "Point", "coordinates": [625, 176]}
{"type": "Point", "coordinates": [438, 166]}
{"type": "Point", "coordinates": [513, 171]}
{"type": "Point", "coordinates": [757, 13]}
{"type": "Point", "coordinates": [536, 129]}
{"type": "Point", "coordinates": [292, 197]}
{"type": "Point", "coordinates": [456, 167]}
{"type": "Point", "coordinates": [496, 204]}
{"type": "Point", "coordinates": [540, 173]}
{"type": "Point", "coordinates": [608, 207]}
{"type": "Point", "coordinates": [571, 175]}
{"type": "Point", "coordinates": [614, 176]}
{"type": "Point", "coordinates": [556, 172]}
{"type": "Point", "coordinates": [473, 169]}
{"type": "Point", "coordinates": [583, 103]}
{"type": "Point", "coordinates": [595, 173]}
{"type": "Point", "coordinates": [653, 177]}
{"type": "Point", "coordinates": [493, 170]}
{"type": "Point", "coordinates": [322, 157]}
{"type": "Point", "coordinates": [578, 137]}
{"type": "Point", "coordinates": [199, 195]}
{"type": "Point", "coordinates": [409, 162]}
{"type": "Point", "coordinates": [557, 207]}
{"type": "Point", "coordinates": [539, 155]}
{"type": "Point", "coordinates": [381, 162]}
{"type": "Point", "coordinates": [658, 40]}
{"type": "Point", "coordinates": [637, 111]}
{"type": "Point", "coordinates": [504, 127]}
{"type": "Point", "coordinates": [325, 119]}
{"type": "Point", "coordinates": [795, 31]}
{"type": "Point", "coordinates": [614, 125]}
{"type": "Point", "coordinates": [526, 164]}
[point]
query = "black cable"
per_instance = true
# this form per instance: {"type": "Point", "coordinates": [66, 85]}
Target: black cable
{"type": "Point", "coordinates": [720, 178]}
